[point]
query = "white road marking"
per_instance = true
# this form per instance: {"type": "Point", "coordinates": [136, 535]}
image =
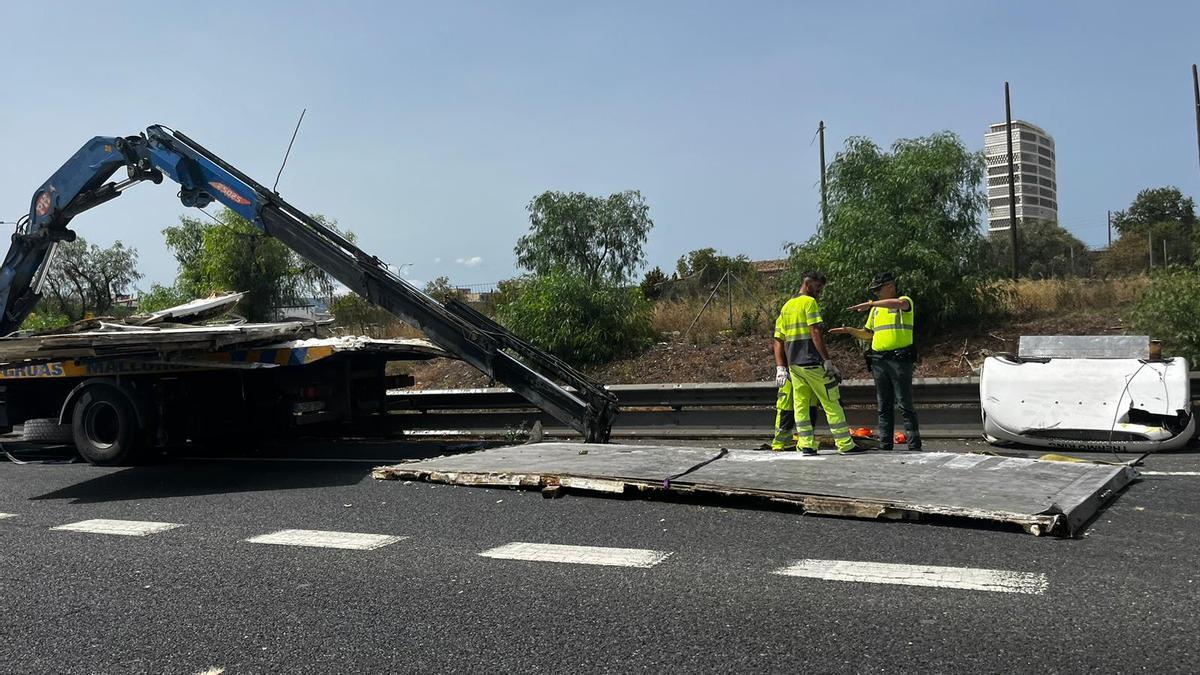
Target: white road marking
{"type": "Point", "coordinates": [1011, 463]}
{"type": "Point", "coordinates": [966, 461]}
{"type": "Point", "coordinates": [1170, 473]}
{"type": "Point", "coordinates": [581, 555]}
{"type": "Point", "coordinates": [130, 528]}
{"type": "Point", "coordinates": [7, 515]}
{"type": "Point", "coordinates": [325, 539]}
{"type": "Point", "coordinates": [1001, 581]}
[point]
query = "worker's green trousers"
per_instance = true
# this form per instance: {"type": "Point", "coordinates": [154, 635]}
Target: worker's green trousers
{"type": "Point", "coordinates": [807, 386]}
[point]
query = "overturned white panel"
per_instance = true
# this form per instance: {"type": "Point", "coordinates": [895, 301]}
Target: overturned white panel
{"type": "Point", "coordinates": [1065, 401]}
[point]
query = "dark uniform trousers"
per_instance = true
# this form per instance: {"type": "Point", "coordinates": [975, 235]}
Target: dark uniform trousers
{"type": "Point", "coordinates": [893, 373]}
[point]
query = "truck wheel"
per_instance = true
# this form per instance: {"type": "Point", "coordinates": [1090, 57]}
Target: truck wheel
{"type": "Point", "coordinates": [106, 427]}
{"type": "Point", "coordinates": [46, 430]}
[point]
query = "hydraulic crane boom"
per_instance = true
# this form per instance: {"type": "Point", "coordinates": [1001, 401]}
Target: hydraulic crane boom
{"type": "Point", "coordinates": [82, 183]}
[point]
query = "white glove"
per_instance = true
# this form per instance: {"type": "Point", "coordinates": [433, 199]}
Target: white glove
{"type": "Point", "coordinates": [781, 375]}
{"type": "Point", "coordinates": [831, 370]}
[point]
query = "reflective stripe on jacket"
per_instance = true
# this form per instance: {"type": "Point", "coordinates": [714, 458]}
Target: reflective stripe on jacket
{"type": "Point", "coordinates": [794, 328]}
{"type": "Point", "coordinates": [891, 328]}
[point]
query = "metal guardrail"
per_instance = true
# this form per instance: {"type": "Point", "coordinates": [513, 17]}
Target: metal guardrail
{"type": "Point", "coordinates": [926, 391]}
{"type": "Point", "coordinates": [743, 409]}
{"type": "Point", "coordinates": [949, 408]}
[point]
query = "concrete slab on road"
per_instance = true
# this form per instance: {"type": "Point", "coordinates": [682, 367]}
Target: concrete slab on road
{"type": "Point", "coordinates": [1042, 496]}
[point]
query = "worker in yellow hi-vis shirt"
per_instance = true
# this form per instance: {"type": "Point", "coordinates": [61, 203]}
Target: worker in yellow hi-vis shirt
{"type": "Point", "coordinates": [805, 374]}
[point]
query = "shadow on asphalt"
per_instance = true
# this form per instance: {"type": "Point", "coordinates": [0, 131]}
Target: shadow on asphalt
{"type": "Point", "coordinates": [190, 472]}
{"type": "Point", "coordinates": [209, 478]}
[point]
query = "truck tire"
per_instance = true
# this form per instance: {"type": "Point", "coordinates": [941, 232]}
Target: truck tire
{"type": "Point", "coordinates": [106, 428]}
{"type": "Point", "coordinates": [46, 430]}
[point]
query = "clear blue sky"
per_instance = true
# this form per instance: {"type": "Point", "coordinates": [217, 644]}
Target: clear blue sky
{"type": "Point", "coordinates": [431, 125]}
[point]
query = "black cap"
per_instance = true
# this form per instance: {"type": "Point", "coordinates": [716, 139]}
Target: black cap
{"type": "Point", "coordinates": [881, 279]}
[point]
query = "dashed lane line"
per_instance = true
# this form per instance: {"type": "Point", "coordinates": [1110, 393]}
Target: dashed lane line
{"type": "Point", "coordinates": [968, 578]}
{"type": "Point", "coordinates": [7, 515]}
{"type": "Point", "coordinates": [580, 555]}
{"type": "Point", "coordinates": [357, 541]}
{"type": "Point", "coordinates": [130, 528]}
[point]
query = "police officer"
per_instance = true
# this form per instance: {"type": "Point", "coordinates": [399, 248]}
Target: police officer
{"type": "Point", "coordinates": [891, 357]}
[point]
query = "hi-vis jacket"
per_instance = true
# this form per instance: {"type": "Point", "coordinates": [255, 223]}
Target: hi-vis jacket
{"type": "Point", "coordinates": [794, 328]}
{"type": "Point", "coordinates": [892, 328]}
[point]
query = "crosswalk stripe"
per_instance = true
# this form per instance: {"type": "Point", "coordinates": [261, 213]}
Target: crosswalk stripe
{"type": "Point", "coordinates": [582, 555]}
{"type": "Point", "coordinates": [1001, 581]}
{"type": "Point", "coordinates": [131, 528]}
{"type": "Point", "coordinates": [326, 539]}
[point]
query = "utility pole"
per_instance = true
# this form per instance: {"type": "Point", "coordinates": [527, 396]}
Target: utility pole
{"type": "Point", "coordinates": [824, 202]}
{"type": "Point", "coordinates": [1196, 93]}
{"type": "Point", "coordinates": [1012, 183]}
{"type": "Point", "coordinates": [1110, 229]}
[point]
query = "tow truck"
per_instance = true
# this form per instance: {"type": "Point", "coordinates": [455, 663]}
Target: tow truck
{"type": "Point", "coordinates": [114, 416]}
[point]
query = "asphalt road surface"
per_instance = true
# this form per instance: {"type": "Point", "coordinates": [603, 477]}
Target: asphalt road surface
{"type": "Point", "coordinates": [447, 583]}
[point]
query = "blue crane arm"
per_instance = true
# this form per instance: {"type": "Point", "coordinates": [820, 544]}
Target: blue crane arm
{"type": "Point", "coordinates": [83, 183]}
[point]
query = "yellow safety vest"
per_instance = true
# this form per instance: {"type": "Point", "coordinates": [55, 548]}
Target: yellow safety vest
{"type": "Point", "coordinates": [891, 328]}
{"type": "Point", "coordinates": [794, 328]}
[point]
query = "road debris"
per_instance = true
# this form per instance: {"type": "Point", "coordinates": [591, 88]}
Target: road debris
{"type": "Point", "coordinates": [1043, 497]}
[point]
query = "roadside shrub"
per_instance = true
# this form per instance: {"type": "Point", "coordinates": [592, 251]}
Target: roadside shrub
{"type": "Point", "coordinates": [581, 322]}
{"type": "Point", "coordinates": [45, 318]}
{"type": "Point", "coordinates": [1167, 311]}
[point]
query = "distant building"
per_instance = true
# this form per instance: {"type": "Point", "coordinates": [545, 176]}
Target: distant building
{"type": "Point", "coordinates": [1033, 164]}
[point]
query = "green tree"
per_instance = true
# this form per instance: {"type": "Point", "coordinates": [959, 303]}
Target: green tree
{"type": "Point", "coordinates": [654, 283]}
{"type": "Point", "coordinates": [44, 317]}
{"type": "Point", "coordinates": [1167, 310]}
{"type": "Point", "coordinates": [598, 238]}
{"type": "Point", "coordinates": [1159, 219]}
{"type": "Point", "coordinates": [698, 271]}
{"type": "Point", "coordinates": [442, 290]}
{"type": "Point", "coordinates": [1153, 206]}
{"type": "Point", "coordinates": [354, 312]}
{"type": "Point", "coordinates": [231, 254]}
{"type": "Point", "coordinates": [914, 211]}
{"type": "Point", "coordinates": [161, 297]}
{"type": "Point", "coordinates": [1047, 250]}
{"type": "Point", "coordinates": [83, 279]}
{"type": "Point", "coordinates": [579, 321]}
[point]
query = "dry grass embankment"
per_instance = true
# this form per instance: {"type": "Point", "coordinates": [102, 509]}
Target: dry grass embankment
{"type": "Point", "coordinates": [712, 352]}
{"type": "Point", "coordinates": [1034, 299]}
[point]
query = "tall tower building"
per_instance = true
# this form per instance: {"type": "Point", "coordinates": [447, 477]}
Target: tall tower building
{"type": "Point", "coordinates": [1033, 164]}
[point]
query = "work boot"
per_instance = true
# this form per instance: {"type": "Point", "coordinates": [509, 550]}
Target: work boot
{"type": "Point", "coordinates": [808, 452]}
{"type": "Point", "coordinates": [860, 445]}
